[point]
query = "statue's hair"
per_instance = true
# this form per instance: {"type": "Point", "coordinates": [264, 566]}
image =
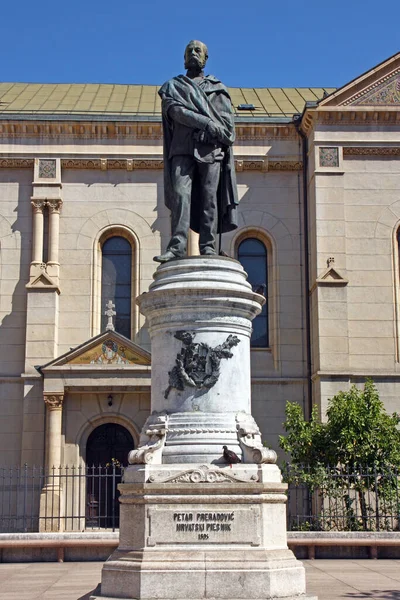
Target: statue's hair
{"type": "Point", "coordinates": [202, 43]}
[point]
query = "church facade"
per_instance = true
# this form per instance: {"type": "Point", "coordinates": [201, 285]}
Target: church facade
{"type": "Point", "coordinates": [82, 215]}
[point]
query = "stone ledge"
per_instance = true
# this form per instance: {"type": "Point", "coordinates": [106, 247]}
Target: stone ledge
{"type": "Point", "coordinates": [315, 536]}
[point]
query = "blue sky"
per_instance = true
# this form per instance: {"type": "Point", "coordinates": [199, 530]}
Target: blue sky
{"type": "Point", "coordinates": [252, 43]}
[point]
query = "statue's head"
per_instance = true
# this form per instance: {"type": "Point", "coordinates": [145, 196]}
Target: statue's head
{"type": "Point", "coordinates": [196, 54]}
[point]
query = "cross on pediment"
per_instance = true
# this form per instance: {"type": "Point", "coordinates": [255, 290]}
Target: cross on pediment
{"type": "Point", "coordinates": [110, 313]}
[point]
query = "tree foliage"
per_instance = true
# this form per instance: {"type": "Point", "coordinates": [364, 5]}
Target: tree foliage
{"type": "Point", "coordinates": [358, 431]}
{"type": "Point", "coordinates": [352, 459]}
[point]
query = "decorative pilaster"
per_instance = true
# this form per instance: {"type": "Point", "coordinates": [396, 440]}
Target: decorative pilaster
{"type": "Point", "coordinates": [38, 229]}
{"type": "Point", "coordinates": [51, 499]}
{"type": "Point", "coordinates": [54, 404]}
{"type": "Point", "coordinates": [44, 271]}
{"type": "Point", "coordinates": [54, 207]}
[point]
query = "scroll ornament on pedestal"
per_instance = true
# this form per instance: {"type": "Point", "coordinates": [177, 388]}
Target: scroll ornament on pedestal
{"type": "Point", "coordinates": [152, 441]}
{"type": "Point", "coordinates": [250, 441]}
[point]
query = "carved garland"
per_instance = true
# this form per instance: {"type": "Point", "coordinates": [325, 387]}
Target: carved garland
{"type": "Point", "coordinates": [203, 474]}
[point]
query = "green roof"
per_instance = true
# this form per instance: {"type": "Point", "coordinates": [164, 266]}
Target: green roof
{"type": "Point", "coordinates": [138, 100]}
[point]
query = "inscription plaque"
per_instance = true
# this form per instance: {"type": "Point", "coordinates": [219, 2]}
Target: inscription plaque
{"type": "Point", "coordinates": [210, 525]}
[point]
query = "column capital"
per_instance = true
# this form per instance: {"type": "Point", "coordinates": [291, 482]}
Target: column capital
{"type": "Point", "coordinates": [54, 401]}
{"type": "Point", "coordinates": [54, 205]}
{"type": "Point", "coordinates": [38, 205]}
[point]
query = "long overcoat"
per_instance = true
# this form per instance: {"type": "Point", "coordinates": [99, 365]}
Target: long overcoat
{"type": "Point", "coordinates": [211, 99]}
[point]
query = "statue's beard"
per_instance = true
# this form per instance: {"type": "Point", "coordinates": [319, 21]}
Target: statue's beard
{"type": "Point", "coordinates": [194, 63]}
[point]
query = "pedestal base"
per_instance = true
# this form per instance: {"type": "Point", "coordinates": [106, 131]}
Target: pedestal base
{"type": "Point", "coordinates": [204, 532]}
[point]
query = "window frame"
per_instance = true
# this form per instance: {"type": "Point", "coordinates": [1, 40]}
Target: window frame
{"type": "Point", "coordinates": [264, 257]}
{"type": "Point", "coordinates": [97, 309]}
{"type": "Point", "coordinates": [272, 284]}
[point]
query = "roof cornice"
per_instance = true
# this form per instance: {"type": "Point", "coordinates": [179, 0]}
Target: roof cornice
{"type": "Point", "coordinates": [350, 115]}
{"type": "Point", "coordinates": [149, 129]}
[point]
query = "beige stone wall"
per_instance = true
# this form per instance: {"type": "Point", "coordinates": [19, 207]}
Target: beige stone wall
{"type": "Point", "coordinates": [15, 242]}
{"type": "Point", "coordinates": [357, 207]}
{"type": "Point", "coordinates": [95, 201]}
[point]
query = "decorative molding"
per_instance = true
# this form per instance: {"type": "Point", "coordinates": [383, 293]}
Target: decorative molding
{"type": "Point", "coordinates": [147, 164]}
{"type": "Point", "coordinates": [351, 115]}
{"type": "Point", "coordinates": [79, 163]}
{"type": "Point", "coordinates": [174, 431]}
{"type": "Point", "coordinates": [371, 151]}
{"type": "Point", "coordinates": [202, 474]}
{"type": "Point", "coordinates": [54, 401]}
{"type": "Point", "coordinates": [132, 164]}
{"type": "Point", "coordinates": [285, 165]}
{"type": "Point", "coordinates": [16, 163]}
{"type": "Point", "coordinates": [132, 130]}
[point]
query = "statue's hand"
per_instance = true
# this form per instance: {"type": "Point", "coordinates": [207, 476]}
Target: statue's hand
{"type": "Point", "coordinates": [213, 131]}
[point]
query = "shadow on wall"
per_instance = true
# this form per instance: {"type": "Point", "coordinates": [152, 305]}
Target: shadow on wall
{"type": "Point", "coordinates": [15, 257]}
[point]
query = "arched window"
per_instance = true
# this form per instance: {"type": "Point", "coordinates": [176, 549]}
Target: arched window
{"type": "Point", "coordinates": [116, 282]}
{"type": "Point", "coordinates": [252, 254]}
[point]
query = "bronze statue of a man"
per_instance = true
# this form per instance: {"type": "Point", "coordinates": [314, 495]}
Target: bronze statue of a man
{"type": "Point", "coordinates": [199, 172]}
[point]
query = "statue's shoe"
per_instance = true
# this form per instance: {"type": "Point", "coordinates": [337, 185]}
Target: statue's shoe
{"type": "Point", "coordinates": [168, 255]}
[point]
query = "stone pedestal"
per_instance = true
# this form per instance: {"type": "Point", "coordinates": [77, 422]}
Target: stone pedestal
{"type": "Point", "coordinates": [193, 526]}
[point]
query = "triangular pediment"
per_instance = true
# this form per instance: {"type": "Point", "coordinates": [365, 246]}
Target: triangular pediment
{"type": "Point", "coordinates": [331, 276]}
{"type": "Point", "coordinates": [378, 87]}
{"type": "Point", "coordinates": [107, 349]}
{"type": "Point", "coordinates": [42, 281]}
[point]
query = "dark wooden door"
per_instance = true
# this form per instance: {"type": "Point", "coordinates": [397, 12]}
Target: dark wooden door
{"type": "Point", "coordinates": [107, 451]}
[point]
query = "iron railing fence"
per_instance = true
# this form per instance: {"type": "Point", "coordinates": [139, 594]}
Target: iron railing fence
{"type": "Point", "coordinates": [342, 498]}
{"type": "Point", "coordinates": [65, 498]}
{"type": "Point", "coordinates": [79, 498]}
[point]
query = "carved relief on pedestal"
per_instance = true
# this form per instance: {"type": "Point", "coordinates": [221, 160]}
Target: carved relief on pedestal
{"type": "Point", "coordinates": [54, 401]}
{"type": "Point", "coordinates": [197, 364]}
{"type": "Point", "coordinates": [202, 474]}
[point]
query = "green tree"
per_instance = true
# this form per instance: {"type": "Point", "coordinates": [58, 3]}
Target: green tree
{"type": "Point", "coordinates": [357, 448]}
